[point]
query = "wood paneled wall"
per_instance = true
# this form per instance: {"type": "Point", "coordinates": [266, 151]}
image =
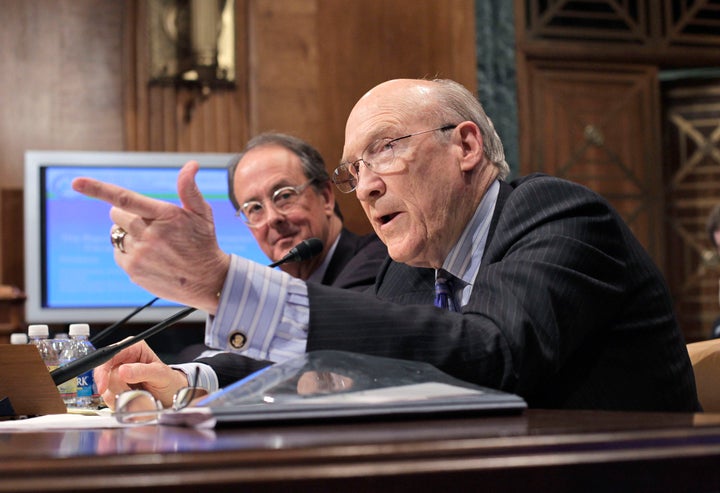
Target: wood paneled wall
{"type": "Point", "coordinates": [75, 77]}
{"type": "Point", "coordinates": [592, 109]}
{"type": "Point", "coordinates": [60, 88]}
{"type": "Point", "coordinates": [301, 66]}
{"type": "Point", "coordinates": [60, 82]}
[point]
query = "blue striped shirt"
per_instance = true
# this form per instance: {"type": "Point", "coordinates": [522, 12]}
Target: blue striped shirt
{"type": "Point", "coordinates": [464, 258]}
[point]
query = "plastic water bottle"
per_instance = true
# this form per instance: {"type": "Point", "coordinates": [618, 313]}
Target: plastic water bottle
{"type": "Point", "coordinates": [86, 391]}
{"type": "Point", "coordinates": [61, 337]}
{"type": "Point", "coordinates": [59, 342]}
{"type": "Point", "coordinates": [18, 338]}
{"type": "Point", "coordinates": [38, 335]}
{"type": "Point", "coordinates": [67, 353]}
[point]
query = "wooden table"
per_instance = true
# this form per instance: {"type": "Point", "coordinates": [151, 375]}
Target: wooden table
{"type": "Point", "coordinates": [576, 451]}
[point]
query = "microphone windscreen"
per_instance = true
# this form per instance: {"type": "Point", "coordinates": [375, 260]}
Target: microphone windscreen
{"type": "Point", "coordinates": [302, 251]}
{"type": "Point", "coordinates": [307, 249]}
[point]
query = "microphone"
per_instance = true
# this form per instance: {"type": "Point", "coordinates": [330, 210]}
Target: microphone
{"type": "Point", "coordinates": [100, 356]}
{"type": "Point", "coordinates": [302, 251]}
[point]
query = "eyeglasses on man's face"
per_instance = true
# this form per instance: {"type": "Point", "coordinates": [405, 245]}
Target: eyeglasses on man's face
{"type": "Point", "coordinates": [141, 407]}
{"type": "Point", "coordinates": [254, 212]}
{"type": "Point", "coordinates": [378, 156]}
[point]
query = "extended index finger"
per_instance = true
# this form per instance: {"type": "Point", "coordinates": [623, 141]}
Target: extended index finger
{"type": "Point", "coordinates": [119, 197]}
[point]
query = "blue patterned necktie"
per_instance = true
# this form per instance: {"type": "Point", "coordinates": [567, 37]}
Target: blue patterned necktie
{"type": "Point", "coordinates": [444, 294]}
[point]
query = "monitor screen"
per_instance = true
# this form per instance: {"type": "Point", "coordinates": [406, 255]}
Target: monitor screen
{"type": "Point", "coordinates": [70, 272]}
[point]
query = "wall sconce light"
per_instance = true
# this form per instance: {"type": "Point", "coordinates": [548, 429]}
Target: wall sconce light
{"type": "Point", "coordinates": [192, 44]}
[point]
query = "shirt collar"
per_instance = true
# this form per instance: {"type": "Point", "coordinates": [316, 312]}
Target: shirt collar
{"type": "Point", "coordinates": [465, 257]}
{"type": "Point", "coordinates": [319, 273]}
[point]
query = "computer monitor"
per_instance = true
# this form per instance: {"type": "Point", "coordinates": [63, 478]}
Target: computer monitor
{"type": "Point", "coordinates": [70, 272]}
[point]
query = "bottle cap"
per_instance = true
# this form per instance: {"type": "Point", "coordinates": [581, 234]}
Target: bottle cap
{"type": "Point", "coordinates": [18, 338]}
{"type": "Point", "coordinates": [79, 330]}
{"type": "Point", "coordinates": [40, 330]}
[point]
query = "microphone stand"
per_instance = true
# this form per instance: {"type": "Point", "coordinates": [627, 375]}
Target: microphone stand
{"type": "Point", "coordinates": [105, 332]}
{"type": "Point", "coordinates": [104, 354]}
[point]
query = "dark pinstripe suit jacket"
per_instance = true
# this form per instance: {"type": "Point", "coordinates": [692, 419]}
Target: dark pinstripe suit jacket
{"type": "Point", "coordinates": [567, 310]}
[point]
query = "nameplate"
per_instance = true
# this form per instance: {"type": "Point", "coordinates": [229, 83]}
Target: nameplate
{"type": "Point", "coordinates": [26, 387]}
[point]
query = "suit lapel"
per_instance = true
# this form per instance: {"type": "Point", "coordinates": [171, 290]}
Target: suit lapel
{"type": "Point", "coordinates": [505, 189]}
{"type": "Point", "coordinates": [343, 252]}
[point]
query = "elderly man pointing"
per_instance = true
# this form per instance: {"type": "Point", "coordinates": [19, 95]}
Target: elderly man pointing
{"type": "Point", "coordinates": [542, 289]}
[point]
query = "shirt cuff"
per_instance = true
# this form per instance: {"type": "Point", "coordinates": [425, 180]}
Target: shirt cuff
{"type": "Point", "coordinates": [207, 379]}
{"type": "Point", "coordinates": [262, 313]}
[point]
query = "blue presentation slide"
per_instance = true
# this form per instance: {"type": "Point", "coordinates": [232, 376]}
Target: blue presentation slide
{"type": "Point", "coordinates": [78, 257]}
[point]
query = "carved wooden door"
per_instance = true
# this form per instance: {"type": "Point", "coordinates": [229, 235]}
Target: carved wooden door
{"type": "Point", "coordinates": [598, 125]}
{"type": "Point", "coordinates": [691, 142]}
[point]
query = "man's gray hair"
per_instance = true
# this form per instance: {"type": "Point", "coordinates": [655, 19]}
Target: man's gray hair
{"type": "Point", "coordinates": [455, 101]}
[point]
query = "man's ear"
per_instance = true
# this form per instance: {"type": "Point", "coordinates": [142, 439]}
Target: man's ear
{"type": "Point", "coordinates": [471, 143]}
{"type": "Point", "coordinates": [328, 197]}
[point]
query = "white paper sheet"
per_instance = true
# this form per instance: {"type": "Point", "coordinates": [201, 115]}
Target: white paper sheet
{"type": "Point", "coordinates": [67, 421]}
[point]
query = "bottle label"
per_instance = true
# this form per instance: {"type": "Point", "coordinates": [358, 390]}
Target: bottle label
{"type": "Point", "coordinates": [85, 384]}
{"type": "Point", "coordinates": [68, 390]}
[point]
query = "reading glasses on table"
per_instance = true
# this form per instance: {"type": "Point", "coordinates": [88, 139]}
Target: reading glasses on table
{"type": "Point", "coordinates": [141, 407]}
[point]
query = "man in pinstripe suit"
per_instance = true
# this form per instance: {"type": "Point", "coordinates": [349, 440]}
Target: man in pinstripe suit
{"type": "Point", "coordinates": [559, 302]}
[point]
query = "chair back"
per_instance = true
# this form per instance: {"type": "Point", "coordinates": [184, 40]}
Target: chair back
{"type": "Point", "coordinates": [705, 358]}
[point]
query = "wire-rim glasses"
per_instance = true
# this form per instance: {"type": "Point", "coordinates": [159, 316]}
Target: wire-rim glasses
{"type": "Point", "coordinates": [141, 407]}
{"type": "Point", "coordinates": [379, 156]}
{"type": "Point", "coordinates": [254, 213]}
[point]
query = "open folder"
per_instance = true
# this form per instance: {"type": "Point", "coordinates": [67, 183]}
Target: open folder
{"type": "Point", "coordinates": [341, 385]}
